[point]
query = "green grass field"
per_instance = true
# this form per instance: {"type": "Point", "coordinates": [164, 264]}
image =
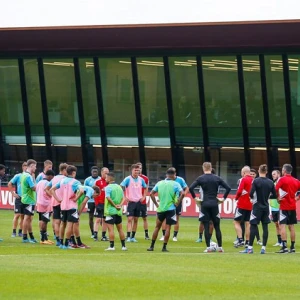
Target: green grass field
{"type": "Point", "coordinates": [34, 271]}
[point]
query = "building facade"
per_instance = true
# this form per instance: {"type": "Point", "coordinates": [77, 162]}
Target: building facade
{"type": "Point", "coordinates": [165, 95]}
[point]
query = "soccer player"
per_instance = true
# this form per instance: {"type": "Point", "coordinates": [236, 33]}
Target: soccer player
{"type": "Point", "coordinates": [260, 192]}
{"type": "Point", "coordinates": [185, 188]}
{"type": "Point", "coordinates": [90, 181]}
{"type": "Point", "coordinates": [244, 207]}
{"type": "Point", "coordinates": [144, 213]}
{"type": "Point", "coordinates": [28, 200]}
{"type": "Point", "coordinates": [14, 186]}
{"type": "Point", "coordinates": [132, 185]}
{"type": "Point", "coordinates": [99, 203]}
{"type": "Point", "coordinates": [114, 199]}
{"type": "Point", "coordinates": [44, 206]}
{"type": "Point", "coordinates": [209, 183]}
{"type": "Point", "coordinates": [168, 192]}
{"type": "Point", "coordinates": [286, 188]}
{"type": "Point", "coordinates": [275, 209]}
{"type": "Point", "coordinates": [47, 166]}
{"type": "Point", "coordinates": [56, 218]}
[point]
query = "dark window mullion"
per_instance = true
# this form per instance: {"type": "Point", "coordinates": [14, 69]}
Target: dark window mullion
{"type": "Point", "coordinates": [44, 108]}
{"type": "Point", "coordinates": [101, 112]}
{"type": "Point", "coordinates": [289, 113]}
{"type": "Point", "coordinates": [1, 144]}
{"type": "Point", "coordinates": [138, 113]}
{"type": "Point", "coordinates": [243, 110]}
{"type": "Point", "coordinates": [25, 108]}
{"type": "Point", "coordinates": [203, 109]}
{"type": "Point", "coordinates": [266, 111]}
{"type": "Point", "coordinates": [170, 111]}
{"type": "Point", "coordinates": [84, 144]}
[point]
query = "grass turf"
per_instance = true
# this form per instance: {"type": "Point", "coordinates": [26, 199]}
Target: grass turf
{"type": "Point", "coordinates": [46, 272]}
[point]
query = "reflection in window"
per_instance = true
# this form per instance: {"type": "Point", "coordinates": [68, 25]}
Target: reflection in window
{"type": "Point", "coordinates": [276, 100]}
{"type": "Point", "coordinates": [34, 101]}
{"type": "Point", "coordinates": [61, 97]}
{"type": "Point", "coordinates": [11, 112]}
{"type": "Point", "coordinates": [294, 73]}
{"type": "Point", "coordinates": [185, 97]}
{"type": "Point", "coordinates": [153, 101]}
{"type": "Point", "coordinates": [253, 97]}
{"type": "Point", "coordinates": [222, 100]}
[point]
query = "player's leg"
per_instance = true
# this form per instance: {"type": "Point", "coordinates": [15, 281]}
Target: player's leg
{"type": "Point", "coordinates": [201, 230]}
{"type": "Point", "coordinates": [215, 218]}
{"type": "Point", "coordinates": [62, 229]}
{"type": "Point", "coordinates": [136, 214]}
{"type": "Point", "coordinates": [243, 227]}
{"type": "Point", "coordinates": [159, 220]}
{"type": "Point", "coordinates": [176, 226]}
{"type": "Point", "coordinates": [21, 224]}
{"type": "Point", "coordinates": [144, 215]}
{"type": "Point", "coordinates": [275, 219]}
{"type": "Point", "coordinates": [238, 220]}
{"type": "Point", "coordinates": [56, 219]}
{"type": "Point", "coordinates": [292, 221]}
{"type": "Point", "coordinates": [118, 223]}
{"type": "Point", "coordinates": [282, 225]}
{"type": "Point", "coordinates": [91, 212]}
{"type": "Point", "coordinates": [258, 237]}
{"type": "Point", "coordinates": [104, 228]}
{"type": "Point", "coordinates": [163, 230]}
{"type": "Point", "coordinates": [96, 225]}
{"type": "Point", "coordinates": [15, 224]}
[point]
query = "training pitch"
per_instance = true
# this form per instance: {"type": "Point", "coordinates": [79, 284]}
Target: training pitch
{"type": "Point", "coordinates": [34, 271]}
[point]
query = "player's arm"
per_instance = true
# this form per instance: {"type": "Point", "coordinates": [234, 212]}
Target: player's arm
{"type": "Point", "coordinates": [145, 186]}
{"type": "Point", "coordinates": [124, 184]}
{"type": "Point", "coordinates": [193, 186]}
{"type": "Point", "coordinates": [12, 188]}
{"type": "Point", "coordinates": [273, 193]}
{"type": "Point", "coordinates": [83, 204]}
{"type": "Point", "coordinates": [31, 183]}
{"type": "Point", "coordinates": [180, 191]}
{"type": "Point", "coordinates": [278, 185]}
{"type": "Point", "coordinates": [53, 193]}
{"type": "Point", "coordinates": [152, 195]}
{"type": "Point", "coordinates": [253, 189]}
{"type": "Point", "coordinates": [79, 194]}
{"type": "Point", "coordinates": [47, 188]}
{"type": "Point", "coordinates": [226, 187]}
{"type": "Point", "coordinates": [240, 189]}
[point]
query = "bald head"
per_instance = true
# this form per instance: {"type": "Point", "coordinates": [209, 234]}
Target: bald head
{"type": "Point", "coordinates": [245, 171]}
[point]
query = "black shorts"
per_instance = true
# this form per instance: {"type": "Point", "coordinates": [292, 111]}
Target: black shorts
{"type": "Point", "coordinates": [169, 216]}
{"type": "Point", "coordinates": [44, 216]}
{"type": "Point", "coordinates": [179, 209]}
{"type": "Point", "coordinates": [258, 216]}
{"type": "Point", "coordinates": [70, 215]}
{"type": "Point", "coordinates": [143, 210]}
{"type": "Point", "coordinates": [91, 208]}
{"type": "Point", "coordinates": [209, 214]}
{"type": "Point", "coordinates": [275, 216]}
{"type": "Point", "coordinates": [18, 209]}
{"type": "Point", "coordinates": [242, 215]}
{"type": "Point", "coordinates": [28, 209]}
{"type": "Point", "coordinates": [115, 219]}
{"type": "Point", "coordinates": [288, 217]}
{"type": "Point", "coordinates": [56, 212]}
{"type": "Point", "coordinates": [134, 209]}
{"type": "Point", "coordinates": [99, 211]}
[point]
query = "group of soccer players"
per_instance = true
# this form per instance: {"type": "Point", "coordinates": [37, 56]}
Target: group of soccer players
{"type": "Point", "coordinates": [63, 198]}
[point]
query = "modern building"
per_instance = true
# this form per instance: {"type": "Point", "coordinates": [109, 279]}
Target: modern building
{"type": "Point", "coordinates": [163, 94]}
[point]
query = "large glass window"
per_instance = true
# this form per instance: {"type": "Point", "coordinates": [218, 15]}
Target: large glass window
{"type": "Point", "coordinates": [89, 99]}
{"type": "Point", "coordinates": [34, 101]}
{"type": "Point", "coordinates": [276, 100]}
{"type": "Point", "coordinates": [153, 101]}
{"type": "Point", "coordinates": [254, 104]}
{"type": "Point", "coordinates": [258, 157]}
{"type": "Point", "coordinates": [11, 112]}
{"type": "Point", "coordinates": [222, 100]}
{"type": "Point", "coordinates": [294, 73]}
{"type": "Point", "coordinates": [185, 97]}
{"type": "Point", "coordinates": [62, 101]}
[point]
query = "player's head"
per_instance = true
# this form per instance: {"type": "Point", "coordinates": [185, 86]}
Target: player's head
{"type": "Point", "coordinates": [253, 173]}
{"type": "Point", "coordinates": [31, 166]}
{"type": "Point", "coordinates": [63, 169]}
{"type": "Point", "coordinates": [2, 170]}
{"type": "Point", "coordinates": [171, 173]}
{"type": "Point", "coordinates": [47, 165]}
{"type": "Point", "coordinates": [140, 166]}
{"type": "Point", "coordinates": [275, 174]}
{"type": "Point", "coordinates": [104, 171]}
{"type": "Point", "coordinates": [96, 191]}
{"type": "Point", "coordinates": [135, 170]}
{"type": "Point", "coordinates": [287, 169]}
{"type": "Point", "coordinates": [263, 169]}
{"type": "Point", "coordinates": [94, 171]}
{"type": "Point", "coordinates": [49, 175]}
{"type": "Point", "coordinates": [71, 171]}
{"type": "Point", "coordinates": [110, 177]}
{"type": "Point", "coordinates": [24, 166]}
{"type": "Point", "coordinates": [207, 167]}
{"type": "Point", "coordinates": [245, 171]}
